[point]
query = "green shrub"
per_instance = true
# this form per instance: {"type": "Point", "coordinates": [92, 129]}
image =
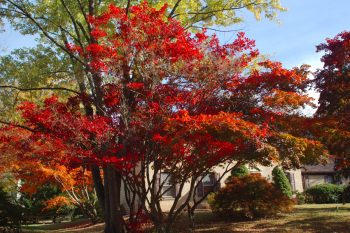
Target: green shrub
{"type": "Point", "coordinates": [250, 197]}
{"type": "Point", "coordinates": [346, 194]}
{"type": "Point", "coordinates": [240, 171]}
{"type": "Point", "coordinates": [300, 198]}
{"type": "Point", "coordinates": [10, 213]}
{"type": "Point", "coordinates": [325, 193]}
{"type": "Point", "coordinates": [281, 181]}
{"type": "Point", "coordinates": [34, 204]}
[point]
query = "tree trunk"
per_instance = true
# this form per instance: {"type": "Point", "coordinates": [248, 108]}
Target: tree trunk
{"type": "Point", "coordinates": [96, 176]}
{"type": "Point", "coordinates": [164, 227]}
{"type": "Point", "coordinates": [113, 215]}
{"type": "Point", "coordinates": [190, 215]}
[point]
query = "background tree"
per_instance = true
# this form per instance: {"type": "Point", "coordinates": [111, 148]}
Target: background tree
{"type": "Point", "coordinates": [28, 69]}
{"type": "Point", "coordinates": [332, 81]}
{"type": "Point", "coordinates": [281, 181]}
{"type": "Point", "coordinates": [32, 174]}
{"type": "Point", "coordinates": [10, 212]}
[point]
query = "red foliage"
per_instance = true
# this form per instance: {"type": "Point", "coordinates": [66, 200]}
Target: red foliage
{"type": "Point", "coordinates": [333, 83]}
{"type": "Point", "coordinates": [201, 101]}
{"type": "Point", "coordinates": [251, 197]}
{"type": "Point", "coordinates": [180, 101]}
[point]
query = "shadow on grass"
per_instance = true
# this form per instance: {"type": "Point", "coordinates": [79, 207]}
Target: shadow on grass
{"type": "Point", "coordinates": [310, 210]}
{"type": "Point", "coordinates": [51, 227]}
{"type": "Point", "coordinates": [305, 219]}
{"type": "Point", "coordinates": [320, 224]}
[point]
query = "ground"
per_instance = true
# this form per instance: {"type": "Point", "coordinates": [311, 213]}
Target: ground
{"type": "Point", "coordinates": [305, 219]}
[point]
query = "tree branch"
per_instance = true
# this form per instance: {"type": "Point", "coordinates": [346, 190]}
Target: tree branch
{"type": "Point", "coordinates": [220, 10]}
{"type": "Point", "coordinates": [17, 125]}
{"type": "Point", "coordinates": [127, 7]}
{"type": "Point", "coordinates": [213, 29]}
{"type": "Point", "coordinates": [40, 88]}
{"type": "Point", "coordinates": [172, 12]}
{"type": "Point", "coordinates": [76, 29]}
{"type": "Point", "coordinates": [46, 33]}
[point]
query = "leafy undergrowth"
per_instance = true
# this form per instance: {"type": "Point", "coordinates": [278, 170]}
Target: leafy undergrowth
{"type": "Point", "coordinates": [306, 219]}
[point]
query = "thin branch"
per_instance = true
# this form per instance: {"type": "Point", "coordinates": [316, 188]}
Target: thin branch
{"type": "Point", "coordinates": [87, 38]}
{"type": "Point", "coordinates": [220, 10]}
{"type": "Point", "coordinates": [216, 30]}
{"type": "Point", "coordinates": [17, 125]}
{"type": "Point", "coordinates": [81, 7]}
{"type": "Point", "coordinates": [40, 89]}
{"type": "Point", "coordinates": [46, 33]}
{"type": "Point", "coordinates": [60, 27]}
{"type": "Point", "coordinates": [73, 21]}
{"type": "Point", "coordinates": [10, 10]}
{"type": "Point", "coordinates": [172, 12]}
{"type": "Point", "coordinates": [227, 169]}
{"type": "Point", "coordinates": [127, 7]}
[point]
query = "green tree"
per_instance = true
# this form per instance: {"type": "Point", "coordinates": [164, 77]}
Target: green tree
{"type": "Point", "coordinates": [34, 204]}
{"type": "Point", "coordinates": [281, 181]}
{"type": "Point", "coordinates": [28, 69]}
{"type": "Point", "coordinates": [10, 212]}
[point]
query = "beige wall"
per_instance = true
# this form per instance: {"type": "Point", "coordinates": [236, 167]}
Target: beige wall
{"type": "Point", "coordinates": [312, 180]}
{"type": "Point", "coordinates": [267, 173]}
{"type": "Point", "coordinates": [167, 202]}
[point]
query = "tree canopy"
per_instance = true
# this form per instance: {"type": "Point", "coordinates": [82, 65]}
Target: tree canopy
{"type": "Point", "coordinates": [163, 100]}
{"type": "Point", "coordinates": [332, 81]}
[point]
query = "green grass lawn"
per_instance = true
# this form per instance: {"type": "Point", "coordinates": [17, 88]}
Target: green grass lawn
{"type": "Point", "coordinates": [77, 226]}
{"type": "Point", "coordinates": [305, 218]}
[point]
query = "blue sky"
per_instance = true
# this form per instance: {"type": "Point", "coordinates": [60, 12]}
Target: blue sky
{"type": "Point", "coordinates": [305, 24]}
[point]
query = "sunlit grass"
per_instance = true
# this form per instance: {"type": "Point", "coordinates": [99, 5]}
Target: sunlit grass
{"type": "Point", "coordinates": [304, 219]}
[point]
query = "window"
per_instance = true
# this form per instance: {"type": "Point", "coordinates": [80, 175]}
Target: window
{"type": "Point", "coordinates": [328, 179]}
{"type": "Point", "coordinates": [168, 188]}
{"type": "Point", "coordinates": [207, 184]}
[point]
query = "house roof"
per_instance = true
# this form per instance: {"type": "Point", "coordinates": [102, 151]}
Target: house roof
{"type": "Point", "coordinates": [327, 168]}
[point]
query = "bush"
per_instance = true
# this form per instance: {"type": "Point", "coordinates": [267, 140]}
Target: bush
{"type": "Point", "coordinates": [300, 198]}
{"type": "Point", "coordinates": [10, 213]}
{"type": "Point", "coordinates": [61, 207]}
{"type": "Point", "coordinates": [325, 193]}
{"type": "Point", "coordinates": [34, 204]}
{"type": "Point", "coordinates": [281, 181]}
{"type": "Point", "coordinates": [346, 194]}
{"type": "Point", "coordinates": [250, 197]}
{"type": "Point", "coordinates": [240, 171]}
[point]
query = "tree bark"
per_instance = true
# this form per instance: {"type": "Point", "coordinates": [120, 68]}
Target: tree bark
{"type": "Point", "coordinates": [113, 214]}
{"type": "Point", "coordinates": [96, 176]}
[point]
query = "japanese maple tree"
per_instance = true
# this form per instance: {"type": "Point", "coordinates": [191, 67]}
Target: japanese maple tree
{"type": "Point", "coordinates": [165, 100]}
{"type": "Point", "coordinates": [36, 163]}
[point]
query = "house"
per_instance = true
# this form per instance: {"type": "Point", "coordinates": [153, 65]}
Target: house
{"type": "Point", "coordinates": [321, 174]}
{"type": "Point", "coordinates": [209, 181]}
{"type": "Point", "coordinates": [300, 180]}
